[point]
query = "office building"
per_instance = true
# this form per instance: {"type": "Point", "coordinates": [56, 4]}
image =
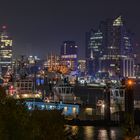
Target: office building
{"type": "Point", "coordinates": [5, 51]}
{"type": "Point", "coordinates": [93, 50]}
{"type": "Point", "coordinates": [115, 49]}
{"type": "Point", "coordinates": [69, 55]}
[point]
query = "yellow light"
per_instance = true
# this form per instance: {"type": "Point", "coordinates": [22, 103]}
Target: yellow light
{"type": "Point", "coordinates": [74, 110]}
{"type": "Point", "coordinates": [103, 105]}
{"type": "Point", "coordinates": [25, 95]}
{"type": "Point", "coordinates": [7, 42]}
{"type": "Point", "coordinates": [65, 109]}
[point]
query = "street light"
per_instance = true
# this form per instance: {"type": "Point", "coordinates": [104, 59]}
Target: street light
{"type": "Point", "coordinates": [129, 82]}
{"type": "Point", "coordinates": [129, 96]}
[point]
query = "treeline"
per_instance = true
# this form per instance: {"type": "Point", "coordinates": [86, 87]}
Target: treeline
{"type": "Point", "coordinates": [17, 123]}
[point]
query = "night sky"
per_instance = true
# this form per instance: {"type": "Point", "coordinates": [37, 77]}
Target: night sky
{"type": "Point", "coordinates": [40, 26]}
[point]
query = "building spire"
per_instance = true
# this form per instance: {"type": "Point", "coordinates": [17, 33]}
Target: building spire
{"type": "Point", "coordinates": [91, 54]}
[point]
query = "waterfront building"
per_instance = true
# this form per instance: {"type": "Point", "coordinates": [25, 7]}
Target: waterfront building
{"type": "Point", "coordinates": [21, 86]}
{"type": "Point", "coordinates": [24, 86]}
{"type": "Point", "coordinates": [6, 46]}
{"type": "Point", "coordinates": [65, 94]}
{"type": "Point", "coordinates": [68, 109]}
{"type": "Point", "coordinates": [69, 55]}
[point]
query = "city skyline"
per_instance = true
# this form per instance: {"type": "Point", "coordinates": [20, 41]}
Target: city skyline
{"type": "Point", "coordinates": [38, 26]}
{"type": "Point", "coordinates": [110, 49]}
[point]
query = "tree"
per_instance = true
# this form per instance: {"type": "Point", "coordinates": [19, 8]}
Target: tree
{"type": "Point", "coordinates": [13, 120]}
{"type": "Point", "coordinates": [17, 123]}
{"type": "Point", "coordinates": [2, 93]}
{"type": "Point", "coordinates": [47, 125]}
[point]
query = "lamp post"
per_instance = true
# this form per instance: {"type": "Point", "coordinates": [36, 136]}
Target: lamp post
{"type": "Point", "coordinates": [129, 96]}
{"type": "Point", "coordinates": [129, 107]}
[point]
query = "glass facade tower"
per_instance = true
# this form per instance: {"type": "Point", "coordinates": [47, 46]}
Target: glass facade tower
{"type": "Point", "coordinates": [94, 50]}
{"type": "Point", "coordinates": [115, 48]}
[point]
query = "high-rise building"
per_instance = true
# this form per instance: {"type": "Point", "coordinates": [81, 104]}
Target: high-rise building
{"type": "Point", "coordinates": [93, 50]}
{"type": "Point", "coordinates": [5, 51]}
{"type": "Point", "coordinates": [118, 49]}
{"type": "Point", "coordinates": [69, 55]}
{"type": "Point", "coordinates": [115, 55]}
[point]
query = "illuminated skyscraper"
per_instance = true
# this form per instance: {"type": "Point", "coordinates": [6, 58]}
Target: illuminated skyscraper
{"type": "Point", "coordinates": [118, 59]}
{"type": "Point", "coordinates": [69, 55]}
{"type": "Point", "coordinates": [5, 51]}
{"type": "Point", "coordinates": [94, 50]}
{"type": "Point", "coordinates": [112, 49]}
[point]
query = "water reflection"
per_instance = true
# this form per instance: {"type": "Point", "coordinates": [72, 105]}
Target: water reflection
{"type": "Point", "coordinates": [88, 132]}
{"type": "Point", "coordinates": [113, 134]}
{"type": "Point", "coordinates": [102, 134]}
{"type": "Point", "coordinates": [75, 130]}
{"type": "Point", "coordinates": [96, 133]}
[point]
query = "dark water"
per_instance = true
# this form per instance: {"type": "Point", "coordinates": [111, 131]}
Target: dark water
{"type": "Point", "coordinates": [96, 133]}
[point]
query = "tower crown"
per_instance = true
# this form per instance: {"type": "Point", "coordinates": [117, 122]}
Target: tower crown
{"type": "Point", "coordinates": [118, 21]}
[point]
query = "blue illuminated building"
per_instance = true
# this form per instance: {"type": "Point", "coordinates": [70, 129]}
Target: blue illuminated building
{"type": "Point", "coordinates": [67, 109]}
{"type": "Point", "coordinates": [40, 81]}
